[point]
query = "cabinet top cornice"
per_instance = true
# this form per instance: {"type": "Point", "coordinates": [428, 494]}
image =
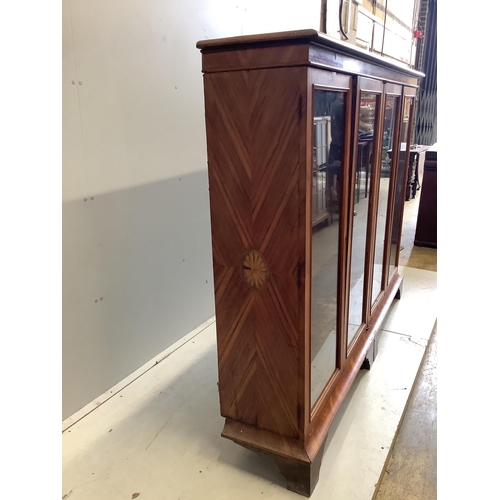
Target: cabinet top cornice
{"type": "Point", "coordinates": [310, 36]}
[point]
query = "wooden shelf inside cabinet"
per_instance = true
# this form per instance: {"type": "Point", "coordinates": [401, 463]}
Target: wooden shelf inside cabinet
{"type": "Point", "coordinates": [286, 185]}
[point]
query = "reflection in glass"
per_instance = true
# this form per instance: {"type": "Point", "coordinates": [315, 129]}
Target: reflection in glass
{"type": "Point", "coordinates": [400, 185]}
{"type": "Point", "coordinates": [391, 105]}
{"type": "Point", "coordinates": [366, 130]}
{"type": "Point", "coordinates": [328, 144]}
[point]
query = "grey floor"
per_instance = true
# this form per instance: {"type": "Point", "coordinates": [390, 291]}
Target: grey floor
{"type": "Point", "coordinates": [411, 468]}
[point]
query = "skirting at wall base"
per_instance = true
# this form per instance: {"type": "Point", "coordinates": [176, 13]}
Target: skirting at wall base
{"type": "Point", "coordinates": [83, 412]}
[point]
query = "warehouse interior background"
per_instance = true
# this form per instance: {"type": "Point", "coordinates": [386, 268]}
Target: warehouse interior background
{"type": "Point", "coordinates": [128, 256]}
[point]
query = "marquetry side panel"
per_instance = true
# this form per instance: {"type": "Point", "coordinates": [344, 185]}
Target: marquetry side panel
{"type": "Point", "coordinates": [252, 120]}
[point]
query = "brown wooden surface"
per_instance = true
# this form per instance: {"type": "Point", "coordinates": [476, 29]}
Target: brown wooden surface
{"type": "Point", "coordinates": [256, 58]}
{"type": "Point", "coordinates": [314, 39]}
{"type": "Point", "coordinates": [265, 441]}
{"type": "Point", "coordinates": [289, 36]}
{"type": "Point", "coordinates": [369, 85]}
{"type": "Point", "coordinates": [259, 122]}
{"type": "Point", "coordinates": [370, 355]}
{"type": "Point", "coordinates": [253, 156]}
{"type": "Point", "coordinates": [323, 57]}
{"type": "Point", "coordinates": [426, 230]}
{"type": "Point", "coordinates": [301, 478]}
{"type": "Point", "coordinates": [298, 54]}
{"type": "Point", "coordinates": [300, 471]}
{"type": "Point", "coordinates": [410, 92]}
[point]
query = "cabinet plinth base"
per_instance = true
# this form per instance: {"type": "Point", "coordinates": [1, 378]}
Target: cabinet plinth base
{"type": "Point", "coordinates": [300, 471]}
{"type": "Point", "coordinates": [300, 460]}
{"type": "Point", "coordinates": [371, 354]}
{"type": "Point", "coordinates": [300, 477]}
{"type": "Point", "coordinates": [399, 293]}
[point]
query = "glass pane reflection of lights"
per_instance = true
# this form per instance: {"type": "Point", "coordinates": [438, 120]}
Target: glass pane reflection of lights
{"type": "Point", "coordinates": [391, 105]}
{"type": "Point", "coordinates": [367, 114]}
{"type": "Point", "coordinates": [400, 183]}
{"type": "Point", "coordinates": [328, 170]}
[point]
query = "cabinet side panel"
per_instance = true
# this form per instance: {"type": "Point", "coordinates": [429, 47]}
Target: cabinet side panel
{"type": "Point", "coordinates": [252, 122]}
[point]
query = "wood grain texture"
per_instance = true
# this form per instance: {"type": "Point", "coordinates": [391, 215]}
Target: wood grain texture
{"type": "Point", "coordinates": [426, 230]}
{"type": "Point", "coordinates": [300, 471]}
{"type": "Point", "coordinates": [255, 58]}
{"type": "Point", "coordinates": [305, 34]}
{"type": "Point", "coordinates": [261, 440]}
{"type": "Point", "coordinates": [254, 270]}
{"type": "Point", "coordinates": [325, 43]}
{"type": "Point", "coordinates": [253, 159]}
{"type": "Point", "coordinates": [323, 57]}
{"type": "Point", "coordinates": [259, 94]}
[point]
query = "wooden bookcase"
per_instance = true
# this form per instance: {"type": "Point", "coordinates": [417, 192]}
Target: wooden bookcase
{"type": "Point", "coordinates": [305, 233]}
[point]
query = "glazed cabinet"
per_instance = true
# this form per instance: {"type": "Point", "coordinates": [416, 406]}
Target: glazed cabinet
{"type": "Point", "coordinates": [306, 208]}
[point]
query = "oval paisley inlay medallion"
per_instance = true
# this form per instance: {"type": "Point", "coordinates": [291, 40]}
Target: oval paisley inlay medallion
{"type": "Point", "coordinates": [254, 269]}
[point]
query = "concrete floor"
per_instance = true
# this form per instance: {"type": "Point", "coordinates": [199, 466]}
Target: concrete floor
{"type": "Point", "coordinates": [410, 255]}
{"type": "Point", "coordinates": [411, 468]}
{"type": "Point", "coordinates": [156, 435]}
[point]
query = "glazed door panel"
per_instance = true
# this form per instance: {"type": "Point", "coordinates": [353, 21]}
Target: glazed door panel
{"type": "Point", "coordinates": [385, 196]}
{"type": "Point", "coordinates": [401, 180]}
{"type": "Point", "coordinates": [365, 159]}
{"type": "Point", "coordinates": [329, 173]}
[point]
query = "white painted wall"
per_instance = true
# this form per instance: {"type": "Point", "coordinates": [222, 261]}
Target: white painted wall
{"type": "Point", "coordinates": [137, 271]}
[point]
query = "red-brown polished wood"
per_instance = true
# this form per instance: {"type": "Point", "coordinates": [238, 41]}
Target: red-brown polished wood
{"type": "Point", "coordinates": [426, 230]}
{"type": "Point", "coordinates": [259, 111]}
{"type": "Point", "coordinates": [253, 156]}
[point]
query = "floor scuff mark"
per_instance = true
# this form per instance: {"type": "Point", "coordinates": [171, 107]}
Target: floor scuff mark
{"type": "Point", "coordinates": [156, 435]}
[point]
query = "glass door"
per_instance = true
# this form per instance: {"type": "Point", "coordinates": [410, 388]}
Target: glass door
{"type": "Point", "coordinates": [388, 160]}
{"type": "Point", "coordinates": [328, 173]}
{"type": "Point", "coordinates": [367, 133]}
{"type": "Point", "coordinates": [401, 182]}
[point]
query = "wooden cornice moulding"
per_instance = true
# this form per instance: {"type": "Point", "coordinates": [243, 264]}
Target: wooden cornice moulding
{"type": "Point", "coordinates": [316, 49]}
